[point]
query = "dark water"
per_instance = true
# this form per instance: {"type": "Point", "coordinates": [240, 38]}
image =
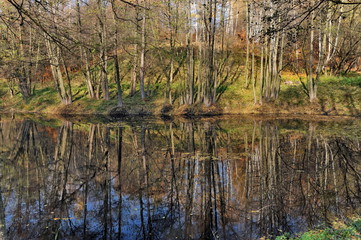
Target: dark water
{"type": "Point", "coordinates": [149, 179]}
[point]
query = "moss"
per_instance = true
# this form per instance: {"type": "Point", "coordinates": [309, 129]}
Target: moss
{"type": "Point", "coordinates": [340, 231]}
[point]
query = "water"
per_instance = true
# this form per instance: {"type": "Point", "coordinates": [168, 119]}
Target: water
{"type": "Point", "coordinates": [235, 178]}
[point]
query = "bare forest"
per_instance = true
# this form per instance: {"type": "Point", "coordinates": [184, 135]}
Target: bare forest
{"type": "Point", "coordinates": [175, 52]}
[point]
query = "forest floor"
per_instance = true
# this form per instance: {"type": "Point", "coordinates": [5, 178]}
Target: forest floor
{"type": "Point", "coordinates": [337, 96]}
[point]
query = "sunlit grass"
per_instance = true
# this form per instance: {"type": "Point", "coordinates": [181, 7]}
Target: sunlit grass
{"type": "Point", "coordinates": [340, 95]}
{"type": "Point", "coordinates": [339, 231]}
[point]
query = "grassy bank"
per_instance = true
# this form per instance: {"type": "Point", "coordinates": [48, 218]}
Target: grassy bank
{"type": "Point", "coordinates": [339, 231]}
{"type": "Point", "coordinates": [337, 96]}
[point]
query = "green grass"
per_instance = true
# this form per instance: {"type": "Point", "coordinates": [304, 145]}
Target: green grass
{"type": "Point", "coordinates": [352, 80]}
{"type": "Point", "coordinates": [344, 232]}
{"type": "Point", "coordinates": [338, 95]}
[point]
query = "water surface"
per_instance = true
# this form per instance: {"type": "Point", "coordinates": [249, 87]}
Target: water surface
{"type": "Point", "coordinates": [238, 178]}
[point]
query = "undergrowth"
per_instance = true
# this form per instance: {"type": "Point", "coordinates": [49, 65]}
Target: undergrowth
{"type": "Point", "coordinates": [343, 232]}
{"type": "Point", "coordinates": [337, 95]}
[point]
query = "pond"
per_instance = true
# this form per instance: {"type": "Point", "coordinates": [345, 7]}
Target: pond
{"type": "Point", "coordinates": [216, 178]}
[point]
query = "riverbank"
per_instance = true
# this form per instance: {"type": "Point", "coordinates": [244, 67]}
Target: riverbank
{"type": "Point", "coordinates": [339, 230]}
{"type": "Point", "coordinates": [338, 96]}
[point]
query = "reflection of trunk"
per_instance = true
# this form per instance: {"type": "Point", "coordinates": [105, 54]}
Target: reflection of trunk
{"type": "Point", "coordinates": [120, 206]}
{"type": "Point", "coordinates": [63, 154]}
{"type": "Point", "coordinates": [191, 165]}
{"type": "Point", "coordinates": [174, 200]}
{"type": "Point", "coordinates": [91, 141]}
{"type": "Point", "coordinates": [273, 216]}
{"type": "Point", "coordinates": [309, 155]}
{"type": "Point", "coordinates": [21, 145]}
{"type": "Point", "coordinates": [58, 192]}
{"type": "Point", "coordinates": [210, 208]}
{"type": "Point", "coordinates": [335, 181]}
{"type": "Point", "coordinates": [146, 181]}
{"type": "Point", "coordinates": [143, 177]}
{"type": "Point", "coordinates": [274, 176]}
{"type": "Point", "coordinates": [141, 204]}
{"type": "Point", "coordinates": [2, 218]}
{"type": "Point", "coordinates": [85, 212]}
{"type": "Point", "coordinates": [221, 165]}
{"type": "Point", "coordinates": [107, 183]}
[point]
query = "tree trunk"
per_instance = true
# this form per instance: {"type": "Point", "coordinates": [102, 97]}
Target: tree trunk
{"type": "Point", "coordinates": [115, 56]}
{"type": "Point", "coordinates": [85, 54]}
{"type": "Point", "coordinates": [261, 76]}
{"type": "Point", "coordinates": [54, 56]}
{"type": "Point", "coordinates": [312, 93]}
{"type": "Point", "coordinates": [190, 57]}
{"type": "Point", "coordinates": [103, 50]}
{"type": "Point", "coordinates": [23, 74]}
{"type": "Point", "coordinates": [134, 71]}
{"type": "Point", "coordinates": [142, 52]}
{"type": "Point", "coordinates": [254, 74]}
{"type": "Point", "coordinates": [117, 81]}
{"type": "Point", "coordinates": [210, 24]}
{"type": "Point", "coordinates": [247, 43]}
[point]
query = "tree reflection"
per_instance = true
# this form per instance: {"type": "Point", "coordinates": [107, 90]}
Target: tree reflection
{"type": "Point", "coordinates": [185, 180]}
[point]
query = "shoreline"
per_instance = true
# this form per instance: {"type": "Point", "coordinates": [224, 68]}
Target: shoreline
{"type": "Point", "coordinates": [224, 115]}
{"type": "Point", "coordinates": [335, 99]}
